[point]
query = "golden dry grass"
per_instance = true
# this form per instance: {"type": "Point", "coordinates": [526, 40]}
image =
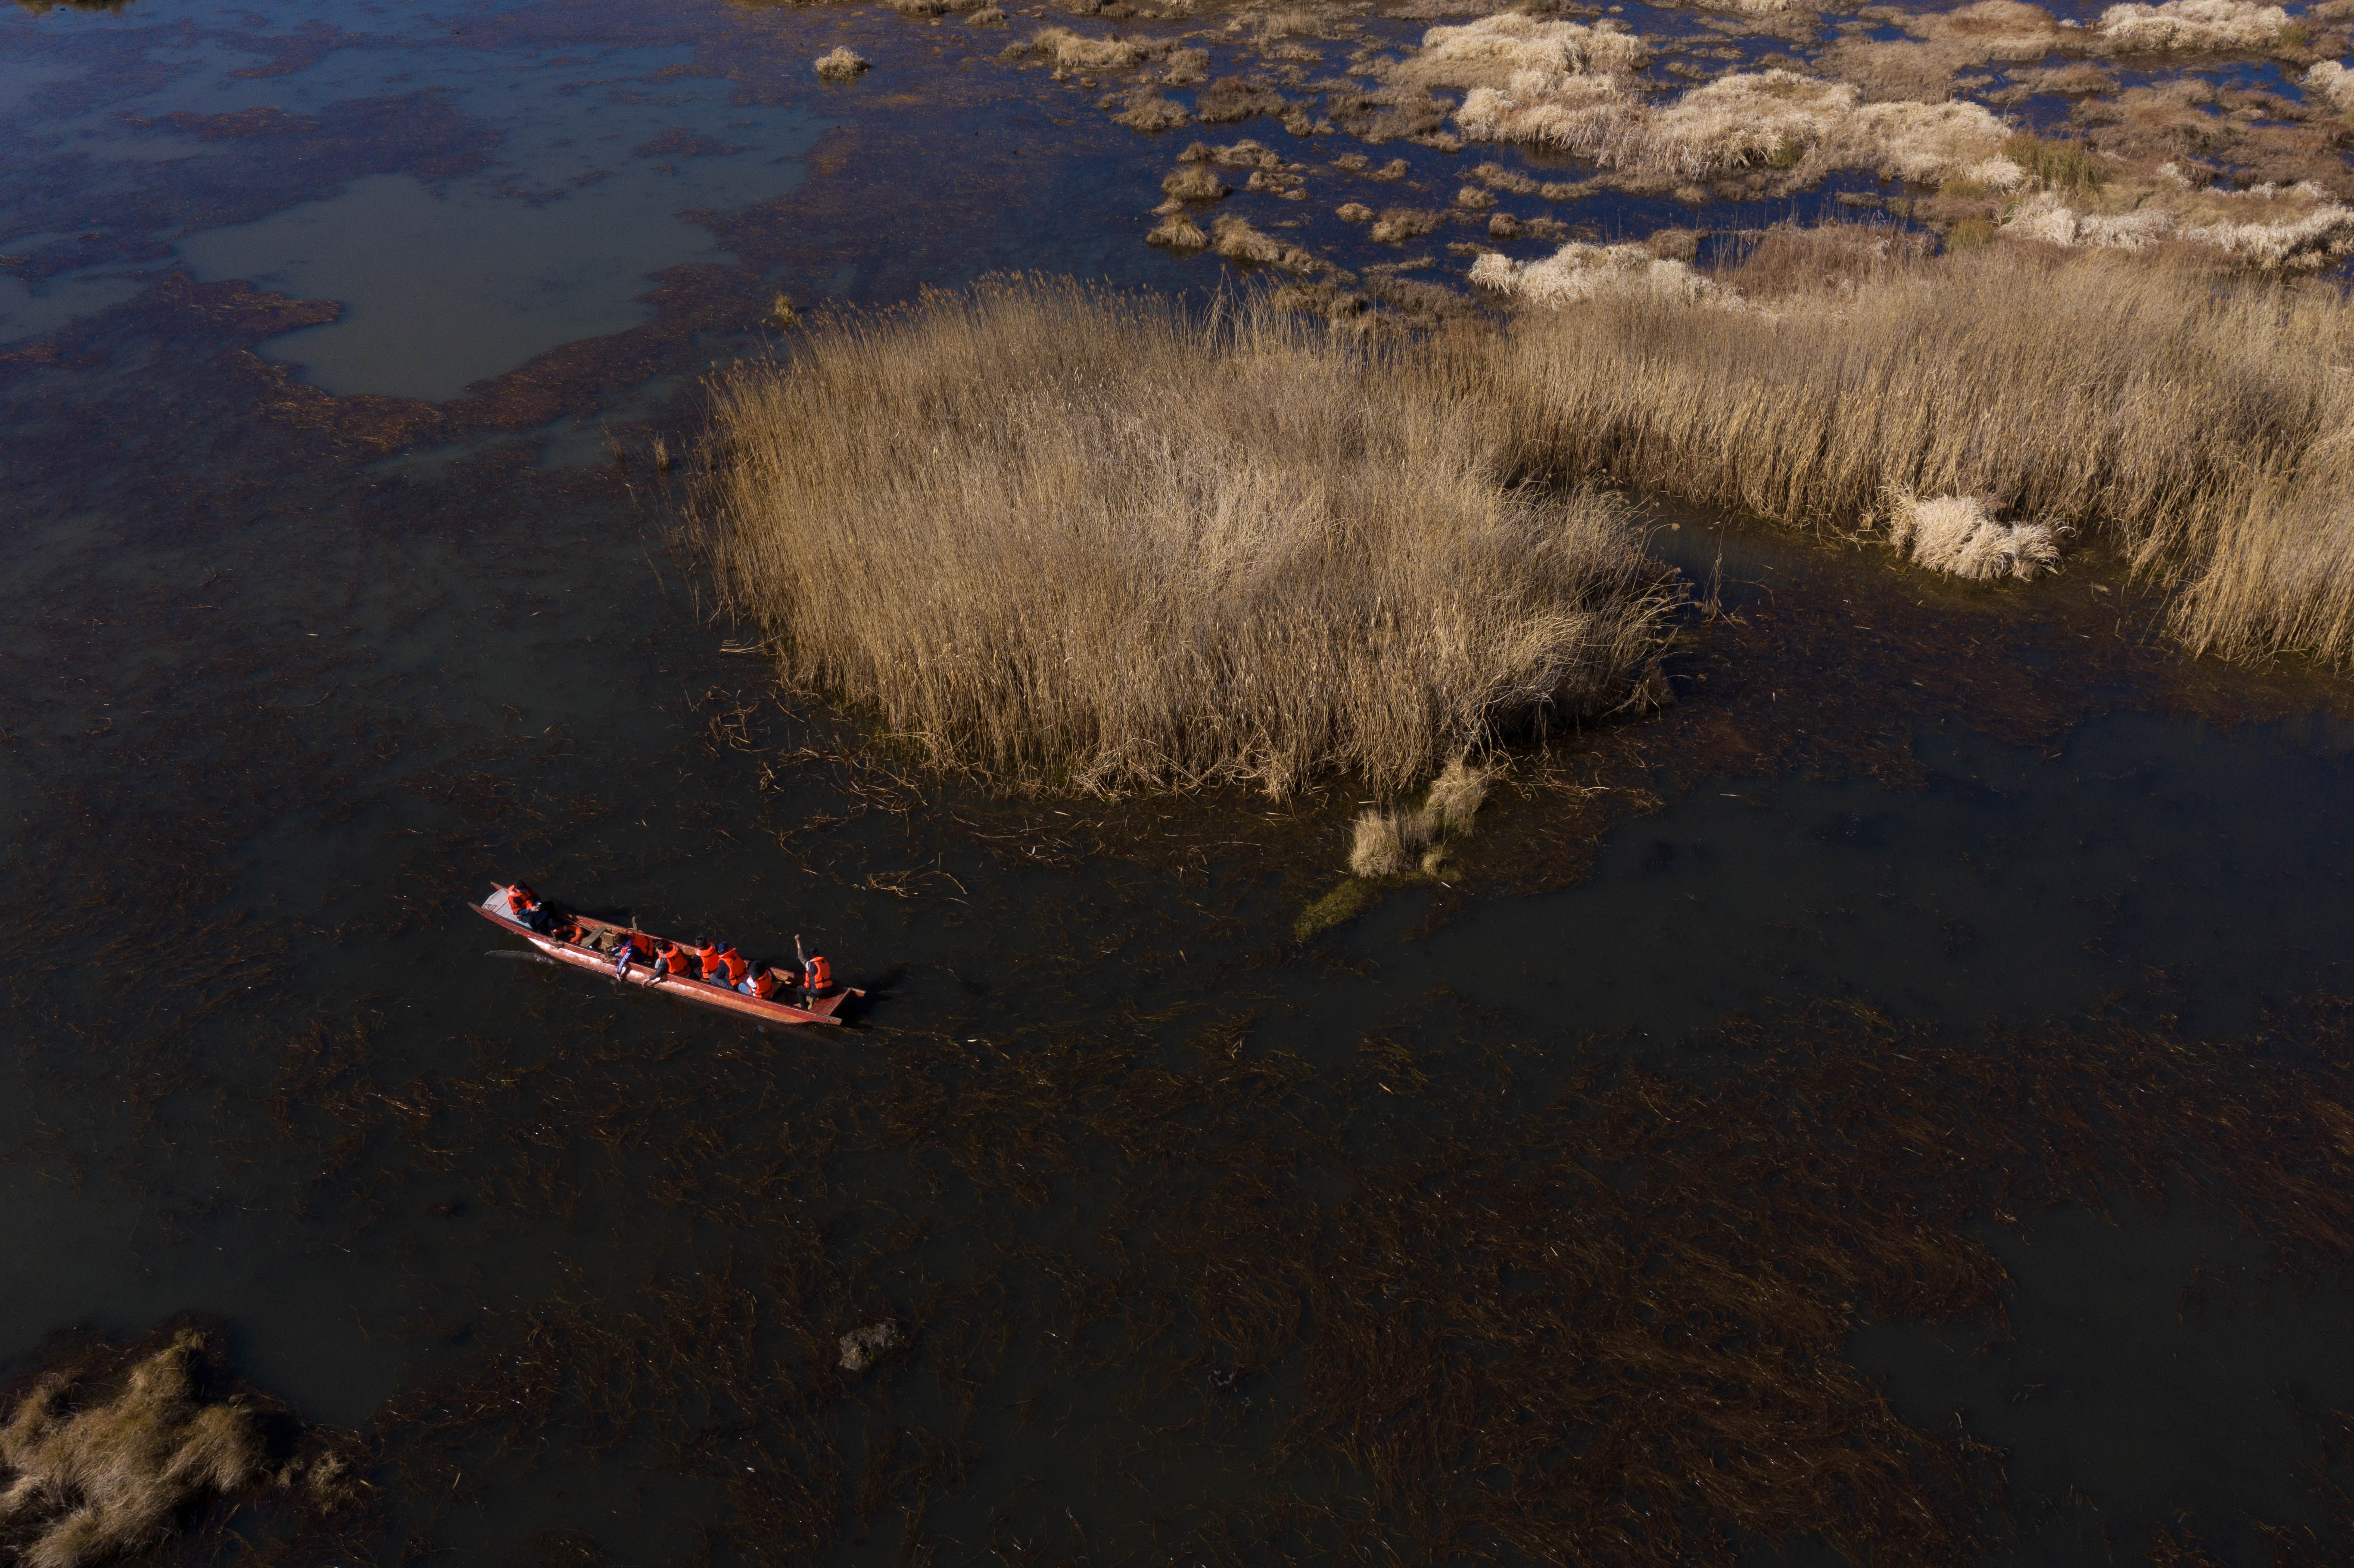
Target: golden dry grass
{"type": "Point", "coordinates": [2196, 421]}
{"type": "Point", "coordinates": [1389, 843]}
{"type": "Point", "coordinates": [1057, 535]}
{"type": "Point", "coordinates": [89, 1483]}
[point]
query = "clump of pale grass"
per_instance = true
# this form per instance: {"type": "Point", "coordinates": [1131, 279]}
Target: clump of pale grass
{"type": "Point", "coordinates": [2332, 83]}
{"type": "Point", "coordinates": [1396, 841]}
{"type": "Point", "coordinates": [1059, 535]}
{"type": "Point", "coordinates": [1923, 66]}
{"type": "Point", "coordinates": [1456, 794]}
{"type": "Point", "coordinates": [1579, 272]}
{"type": "Point", "coordinates": [1772, 120]}
{"type": "Point", "coordinates": [1076, 51]}
{"type": "Point", "coordinates": [2196, 421]}
{"type": "Point", "coordinates": [1389, 843]}
{"type": "Point", "coordinates": [89, 1483]}
{"type": "Point", "coordinates": [1238, 239]}
{"type": "Point", "coordinates": [1399, 224]}
{"type": "Point", "coordinates": [1958, 535]}
{"type": "Point", "coordinates": [1492, 50]}
{"type": "Point", "coordinates": [841, 64]}
{"type": "Point", "coordinates": [1146, 109]}
{"type": "Point", "coordinates": [2295, 230]}
{"type": "Point", "coordinates": [1194, 182]}
{"type": "Point", "coordinates": [2190, 24]}
{"type": "Point", "coordinates": [1178, 232]}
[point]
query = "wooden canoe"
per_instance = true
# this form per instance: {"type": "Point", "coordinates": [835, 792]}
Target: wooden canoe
{"type": "Point", "coordinates": [586, 954]}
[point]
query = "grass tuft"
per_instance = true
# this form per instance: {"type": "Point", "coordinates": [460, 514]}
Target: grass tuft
{"type": "Point", "coordinates": [92, 1481]}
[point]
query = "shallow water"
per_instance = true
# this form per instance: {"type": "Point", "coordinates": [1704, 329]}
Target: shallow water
{"type": "Point", "coordinates": [325, 610]}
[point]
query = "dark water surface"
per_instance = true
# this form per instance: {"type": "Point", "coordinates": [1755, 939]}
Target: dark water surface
{"type": "Point", "coordinates": [1930, 1009]}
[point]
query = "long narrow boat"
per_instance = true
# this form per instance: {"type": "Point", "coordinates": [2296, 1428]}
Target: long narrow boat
{"type": "Point", "coordinates": [594, 951]}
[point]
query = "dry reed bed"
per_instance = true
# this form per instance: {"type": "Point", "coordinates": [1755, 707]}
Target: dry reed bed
{"type": "Point", "coordinates": [111, 1451]}
{"type": "Point", "coordinates": [1055, 533]}
{"type": "Point", "coordinates": [2199, 423]}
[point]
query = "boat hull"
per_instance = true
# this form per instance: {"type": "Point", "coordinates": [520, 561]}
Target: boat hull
{"type": "Point", "coordinates": [703, 993]}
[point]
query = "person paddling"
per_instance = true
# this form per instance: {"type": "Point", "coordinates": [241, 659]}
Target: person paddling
{"type": "Point", "coordinates": [817, 976]}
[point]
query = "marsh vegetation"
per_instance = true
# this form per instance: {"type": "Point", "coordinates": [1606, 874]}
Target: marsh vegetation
{"type": "Point", "coordinates": [1060, 535]}
{"type": "Point", "coordinates": [2189, 417]}
{"type": "Point", "coordinates": [111, 1454]}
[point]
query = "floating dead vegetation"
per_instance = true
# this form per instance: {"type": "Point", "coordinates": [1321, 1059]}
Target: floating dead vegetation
{"type": "Point", "coordinates": [861, 1346]}
{"type": "Point", "coordinates": [116, 1452]}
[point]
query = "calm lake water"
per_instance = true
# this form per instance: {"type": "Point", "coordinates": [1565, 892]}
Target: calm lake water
{"type": "Point", "coordinates": [332, 342]}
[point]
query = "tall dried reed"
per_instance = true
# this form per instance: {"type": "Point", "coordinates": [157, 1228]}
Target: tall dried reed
{"type": "Point", "coordinates": [1057, 534]}
{"type": "Point", "coordinates": [89, 1483]}
{"type": "Point", "coordinates": [2201, 424]}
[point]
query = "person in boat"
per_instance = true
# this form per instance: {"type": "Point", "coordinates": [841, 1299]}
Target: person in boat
{"type": "Point", "coordinates": [764, 983]}
{"type": "Point", "coordinates": [817, 978]}
{"type": "Point", "coordinates": [674, 960]}
{"type": "Point", "coordinates": [528, 911]}
{"type": "Point", "coordinates": [738, 968]}
{"type": "Point", "coordinates": [712, 958]}
{"type": "Point", "coordinates": [632, 947]}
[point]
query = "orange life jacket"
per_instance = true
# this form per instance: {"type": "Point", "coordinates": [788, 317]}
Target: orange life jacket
{"type": "Point", "coordinates": [674, 959]}
{"type": "Point", "coordinates": [635, 946]}
{"type": "Point", "coordinates": [520, 899]}
{"type": "Point", "coordinates": [819, 977]}
{"type": "Point", "coordinates": [738, 966]}
{"type": "Point", "coordinates": [766, 984]}
{"type": "Point", "coordinates": [709, 954]}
